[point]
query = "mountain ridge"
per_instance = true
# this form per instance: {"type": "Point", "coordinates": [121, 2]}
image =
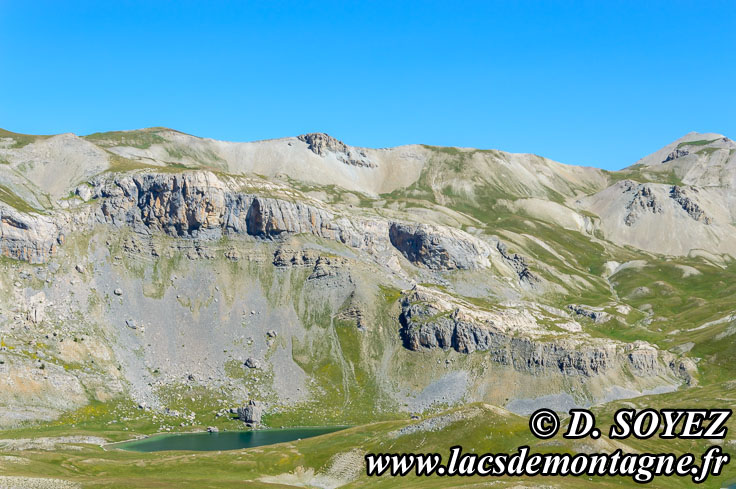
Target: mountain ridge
{"type": "Point", "coordinates": [692, 135]}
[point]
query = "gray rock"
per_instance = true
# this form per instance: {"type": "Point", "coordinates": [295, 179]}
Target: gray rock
{"type": "Point", "coordinates": [597, 317]}
{"type": "Point", "coordinates": [118, 291]}
{"type": "Point", "coordinates": [322, 144]}
{"type": "Point", "coordinates": [291, 258]}
{"type": "Point", "coordinates": [687, 204]}
{"type": "Point", "coordinates": [29, 237]}
{"type": "Point", "coordinates": [199, 205]}
{"type": "Point", "coordinates": [251, 362]}
{"type": "Point", "coordinates": [424, 327]}
{"type": "Point", "coordinates": [439, 248]}
{"type": "Point", "coordinates": [643, 200]}
{"type": "Point", "coordinates": [677, 153]}
{"type": "Point", "coordinates": [518, 263]}
{"type": "Point", "coordinates": [251, 413]}
{"type": "Point", "coordinates": [84, 192]}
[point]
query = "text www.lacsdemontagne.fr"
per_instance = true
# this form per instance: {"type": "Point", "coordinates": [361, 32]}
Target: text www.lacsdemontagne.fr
{"type": "Point", "coordinates": [642, 468]}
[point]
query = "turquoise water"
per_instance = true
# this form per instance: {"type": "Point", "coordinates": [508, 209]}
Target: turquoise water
{"type": "Point", "coordinates": [228, 440]}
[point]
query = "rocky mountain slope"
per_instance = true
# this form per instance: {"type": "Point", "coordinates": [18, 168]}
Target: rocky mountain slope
{"type": "Point", "coordinates": [188, 276]}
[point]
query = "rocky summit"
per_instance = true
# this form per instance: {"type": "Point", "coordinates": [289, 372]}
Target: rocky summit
{"type": "Point", "coordinates": [165, 282]}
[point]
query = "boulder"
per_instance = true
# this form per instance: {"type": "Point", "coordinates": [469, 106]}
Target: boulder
{"type": "Point", "coordinates": [251, 362]}
{"type": "Point", "coordinates": [251, 413]}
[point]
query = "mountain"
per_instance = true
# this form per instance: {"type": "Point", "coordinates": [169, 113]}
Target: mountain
{"type": "Point", "coordinates": [153, 281]}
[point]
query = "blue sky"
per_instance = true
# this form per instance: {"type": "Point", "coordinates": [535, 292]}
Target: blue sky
{"type": "Point", "coordinates": [590, 83]}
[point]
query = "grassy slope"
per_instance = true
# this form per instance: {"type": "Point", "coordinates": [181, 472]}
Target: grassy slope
{"type": "Point", "coordinates": [20, 140]}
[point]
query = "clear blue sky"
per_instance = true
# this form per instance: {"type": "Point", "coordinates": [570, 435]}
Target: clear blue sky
{"type": "Point", "coordinates": [592, 83]}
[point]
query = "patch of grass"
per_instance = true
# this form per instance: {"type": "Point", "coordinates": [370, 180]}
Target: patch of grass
{"type": "Point", "coordinates": [20, 140]}
{"type": "Point", "coordinates": [644, 174]}
{"type": "Point", "coordinates": [120, 164]}
{"type": "Point", "coordinates": [141, 139]}
{"type": "Point", "coordinates": [682, 300]}
{"type": "Point", "coordinates": [707, 151]}
{"type": "Point", "coordinates": [205, 158]}
{"type": "Point", "coordinates": [12, 199]}
{"type": "Point", "coordinates": [699, 142]}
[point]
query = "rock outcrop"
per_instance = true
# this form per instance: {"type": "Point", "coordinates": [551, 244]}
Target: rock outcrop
{"type": "Point", "coordinates": [295, 258]}
{"type": "Point", "coordinates": [677, 153]}
{"type": "Point", "coordinates": [519, 264]}
{"type": "Point", "coordinates": [29, 237]}
{"type": "Point", "coordinates": [592, 314]}
{"type": "Point", "coordinates": [251, 413]}
{"type": "Point", "coordinates": [439, 248]}
{"type": "Point", "coordinates": [688, 205]}
{"type": "Point", "coordinates": [643, 200]}
{"type": "Point", "coordinates": [428, 322]}
{"type": "Point", "coordinates": [199, 205]}
{"type": "Point", "coordinates": [322, 144]}
{"type": "Point", "coordinates": [251, 362]}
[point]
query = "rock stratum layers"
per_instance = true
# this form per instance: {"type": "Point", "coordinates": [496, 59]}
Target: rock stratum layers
{"type": "Point", "coordinates": [514, 338]}
{"type": "Point", "coordinates": [29, 237]}
{"type": "Point", "coordinates": [199, 205]}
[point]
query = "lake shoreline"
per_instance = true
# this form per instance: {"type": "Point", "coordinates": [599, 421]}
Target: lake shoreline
{"type": "Point", "coordinates": [304, 431]}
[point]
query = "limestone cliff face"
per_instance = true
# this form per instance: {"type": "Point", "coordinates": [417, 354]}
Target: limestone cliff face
{"type": "Point", "coordinates": [199, 205]}
{"type": "Point", "coordinates": [29, 237]}
{"type": "Point", "coordinates": [428, 322]}
{"type": "Point", "coordinates": [437, 248]}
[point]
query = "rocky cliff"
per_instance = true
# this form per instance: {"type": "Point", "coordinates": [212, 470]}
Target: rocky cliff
{"type": "Point", "coordinates": [29, 237]}
{"type": "Point", "coordinates": [437, 248]}
{"type": "Point", "coordinates": [513, 338]}
{"type": "Point", "coordinates": [200, 205]}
